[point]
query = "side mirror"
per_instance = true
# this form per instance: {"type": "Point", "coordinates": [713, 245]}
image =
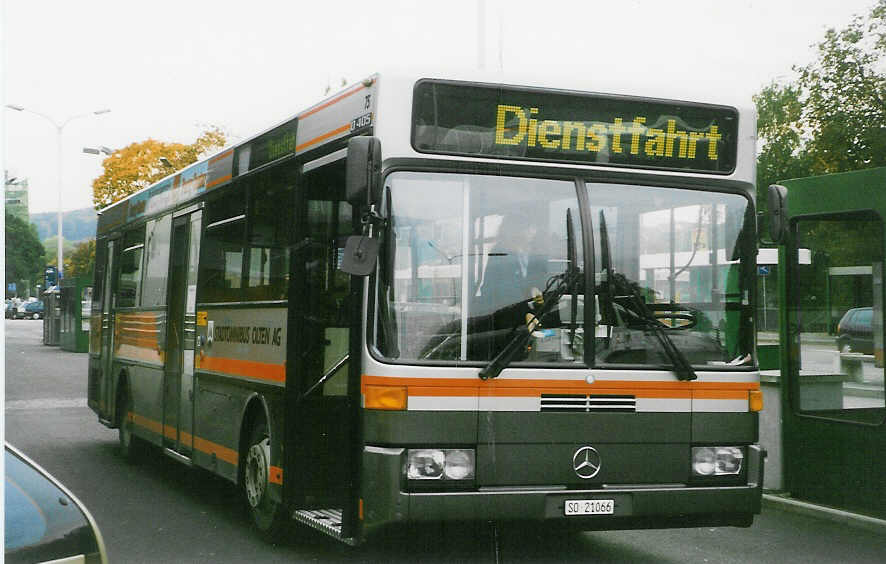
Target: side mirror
{"type": "Point", "coordinates": [363, 185]}
{"type": "Point", "coordinates": [777, 201]}
{"type": "Point", "coordinates": [359, 255]}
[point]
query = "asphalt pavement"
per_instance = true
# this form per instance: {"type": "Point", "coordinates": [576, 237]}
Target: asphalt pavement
{"type": "Point", "coordinates": [160, 511]}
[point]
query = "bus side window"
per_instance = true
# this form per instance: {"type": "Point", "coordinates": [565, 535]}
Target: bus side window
{"type": "Point", "coordinates": [156, 261]}
{"type": "Point", "coordinates": [270, 217]}
{"type": "Point", "coordinates": [221, 268]}
{"type": "Point", "coordinates": [129, 275]}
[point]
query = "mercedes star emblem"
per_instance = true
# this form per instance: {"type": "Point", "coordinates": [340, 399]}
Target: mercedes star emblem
{"type": "Point", "coordinates": [586, 462]}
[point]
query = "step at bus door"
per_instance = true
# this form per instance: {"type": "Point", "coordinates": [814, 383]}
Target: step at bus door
{"type": "Point", "coordinates": [178, 412]}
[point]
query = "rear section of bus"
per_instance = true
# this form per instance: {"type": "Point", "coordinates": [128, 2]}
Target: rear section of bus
{"type": "Point", "coordinates": [560, 326]}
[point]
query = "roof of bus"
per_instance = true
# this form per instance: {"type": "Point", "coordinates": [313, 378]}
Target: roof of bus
{"type": "Point", "coordinates": [625, 84]}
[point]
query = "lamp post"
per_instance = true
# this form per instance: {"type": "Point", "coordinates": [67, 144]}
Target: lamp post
{"type": "Point", "coordinates": [59, 128]}
{"type": "Point", "coordinates": [98, 150]}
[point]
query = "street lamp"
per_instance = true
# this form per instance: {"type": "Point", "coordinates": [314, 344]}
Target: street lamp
{"type": "Point", "coordinates": [98, 150]}
{"type": "Point", "coordinates": [59, 127]}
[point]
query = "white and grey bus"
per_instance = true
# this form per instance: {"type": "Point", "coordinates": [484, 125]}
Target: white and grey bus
{"type": "Point", "coordinates": [428, 299]}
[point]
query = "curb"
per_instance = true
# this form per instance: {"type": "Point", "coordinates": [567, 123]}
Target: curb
{"type": "Point", "coordinates": [870, 524]}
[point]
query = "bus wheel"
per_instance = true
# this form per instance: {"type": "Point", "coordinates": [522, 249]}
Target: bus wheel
{"type": "Point", "coordinates": [131, 447]}
{"type": "Point", "coordinates": [267, 514]}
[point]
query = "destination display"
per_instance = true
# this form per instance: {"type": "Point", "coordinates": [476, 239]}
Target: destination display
{"type": "Point", "coordinates": [266, 148]}
{"type": "Point", "coordinates": [551, 125]}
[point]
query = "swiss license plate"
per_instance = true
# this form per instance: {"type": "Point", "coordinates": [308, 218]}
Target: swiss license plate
{"type": "Point", "coordinates": [589, 507]}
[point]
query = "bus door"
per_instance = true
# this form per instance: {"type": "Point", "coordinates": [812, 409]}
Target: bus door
{"type": "Point", "coordinates": [835, 413]}
{"type": "Point", "coordinates": [178, 405]}
{"type": "Point", "coordinates": [320, 403]}
{"type": "Point", "coordinates": [105, 387]}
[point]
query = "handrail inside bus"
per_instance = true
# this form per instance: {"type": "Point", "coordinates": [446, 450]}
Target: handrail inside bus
{"type": "Point", "coordinates": [225, 221]}
{"type": "Point", "coordinates": [329, 373]}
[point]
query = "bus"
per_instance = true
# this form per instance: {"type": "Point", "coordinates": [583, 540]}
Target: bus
{"type": "Point", "coordinates": [431, 299]}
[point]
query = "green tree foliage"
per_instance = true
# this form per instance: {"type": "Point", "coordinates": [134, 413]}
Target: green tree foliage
{"type": "Point", "coordinates": [50, 248]}
{"type": "Point", "coordinates": [831, 117]}
{"type": "Point", "coordinates": [138, 165]}
{"type": "Point", "coordinates": [81, 261]}
{"type": "Point", "coordinates": [25, 257]}
{"type": "Point", "coordinates": [845, 92]}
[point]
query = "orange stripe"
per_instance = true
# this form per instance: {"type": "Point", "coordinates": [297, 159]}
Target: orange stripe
{"type": "Point", "coordinates": [218, 181]}
{"type": "Point", "coordinates": [224, 155]}
{"type": "Point", "coordinates": [221, 452]}
{"type": "Point", "coordinates": [720, 394]}
{"type": "Point", "coordinates": [325, 105]}
{"type": "Point", "coordinates": [149, 424]}
{"type": "Point", "coordinates": [133, 352]}
{"type": "Point", "coordinates": [315, 140]}
{"type": "Point", "coordinates": [247, 368]}
{"type": "Point", "coordinates": [141, 342]}
{"type": "Point", "coordinates": [276, 475]}
{"type": "Point", "coordinates": [141, 316]}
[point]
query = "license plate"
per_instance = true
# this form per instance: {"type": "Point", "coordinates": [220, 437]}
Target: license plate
{"type": "Point", "coordinates": [589, 507]}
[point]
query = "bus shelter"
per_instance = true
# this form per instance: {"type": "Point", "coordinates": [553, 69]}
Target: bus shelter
{"type": "Point", "coordinates": [75, 300]}
{"type": "Point", "coordinates": [51, 316]}
{"type": "Point", "coordinates": [833, 407]}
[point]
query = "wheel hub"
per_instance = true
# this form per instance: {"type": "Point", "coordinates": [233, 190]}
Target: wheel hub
{"type": "Point", "coordinates": [257, 469]}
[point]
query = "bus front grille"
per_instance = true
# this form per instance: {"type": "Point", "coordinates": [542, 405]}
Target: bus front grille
{"type": "Point", "coordinates": [595, 403]}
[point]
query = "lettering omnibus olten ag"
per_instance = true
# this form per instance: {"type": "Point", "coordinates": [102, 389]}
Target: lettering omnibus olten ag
{"type": "Point", "coordinates": [427, 300]}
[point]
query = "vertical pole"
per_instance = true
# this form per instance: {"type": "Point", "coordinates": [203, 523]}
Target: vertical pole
{"type": "Point", "coordinates": [59, 257]}
{"type": "Point", "coordinates": [465, 244]}
{"type": "Point", "coordinates": [671, 266]}
{"type": "Point", "coordinates": [501, 48]}
{"type": "Point", "coordinates": [765, 322]}
{"type": "Point", "coordinates": [481, 34]}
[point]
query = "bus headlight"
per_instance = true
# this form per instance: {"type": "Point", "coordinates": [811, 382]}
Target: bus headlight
{"type": "Point", "coordinates": [717, 461]}
{"type": "Point", "coordinates": [440, 464]}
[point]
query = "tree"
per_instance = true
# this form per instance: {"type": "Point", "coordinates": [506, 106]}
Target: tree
{"type": "Point", "coordinates": [845, 91]}
{"type": "Point", "coordinates": [24, 253]}
{"type": "Point", "coordinates": [81, 261]}
{"type": "Point", "coordinates": [138, 165]}
{"type": "Point", "coordinates": [783, 153]}
{"type": "Point", "coordinates": [50, 248]}
{"type": "Point", "coordinates": [831, 117]}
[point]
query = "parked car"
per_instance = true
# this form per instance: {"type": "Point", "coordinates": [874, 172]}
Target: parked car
{"type": "Point", "coordinates": [10, 309]}
{"type": "Point", "coordinates": [855, 332]}
{"type": "Point", "coordinates": [44, 521]}
{"type": "Point", "coordinates": [30, 310]}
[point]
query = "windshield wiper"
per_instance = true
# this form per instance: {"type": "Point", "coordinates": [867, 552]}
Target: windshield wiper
{"type": "Point", "coordinates": [681, 364]}
{"type": "Point", "coordinates": [682, 367]}
{"type": "Point", "coordinates": [564, 282]}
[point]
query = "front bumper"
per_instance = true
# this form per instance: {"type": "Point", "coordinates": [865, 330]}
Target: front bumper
{"type": "Point", "coordinates": [636, 507]}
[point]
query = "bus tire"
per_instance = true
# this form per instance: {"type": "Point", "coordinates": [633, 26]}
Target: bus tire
{"type": "Point", "coordinates": [266, 514]}
{"type": "Point", "coordinates": [132, 448]}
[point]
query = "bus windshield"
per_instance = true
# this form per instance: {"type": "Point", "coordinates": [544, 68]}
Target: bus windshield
{"type": "Point", "coordinates": [473, 261]}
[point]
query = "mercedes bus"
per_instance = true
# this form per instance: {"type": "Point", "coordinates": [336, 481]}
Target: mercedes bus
{"type": "Point", "coordinates": [430, 299]}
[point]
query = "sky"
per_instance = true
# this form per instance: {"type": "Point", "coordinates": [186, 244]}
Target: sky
{"type": "Point", "coordinates": [166, 69]}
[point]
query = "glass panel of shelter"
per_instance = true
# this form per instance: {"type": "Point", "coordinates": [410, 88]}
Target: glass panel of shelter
{"type": "Point", "coordinates": [837, 318]}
